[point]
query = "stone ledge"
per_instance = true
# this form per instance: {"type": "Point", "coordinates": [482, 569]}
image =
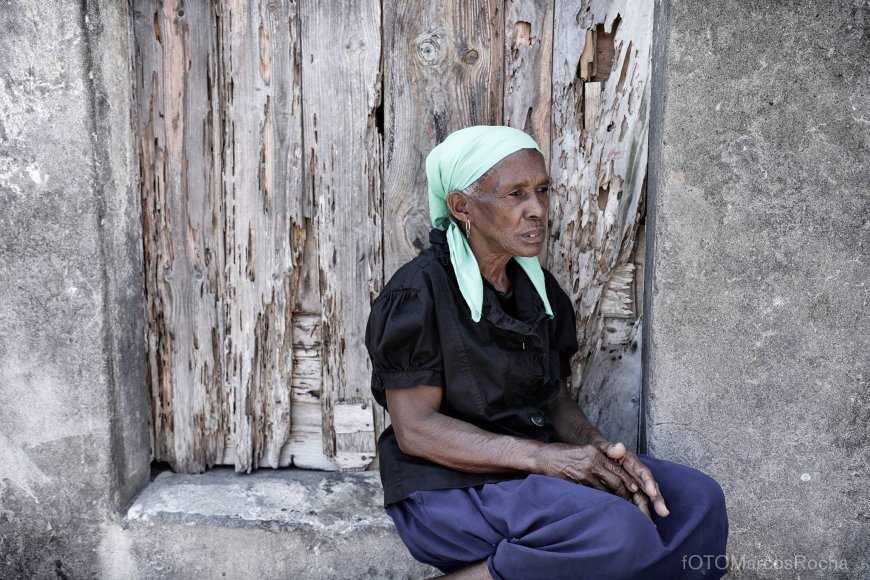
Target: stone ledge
{"type": "Point", "coordinates": [269, 524]}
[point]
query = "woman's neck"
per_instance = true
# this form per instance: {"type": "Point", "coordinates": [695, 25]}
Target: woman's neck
{"type": "Point", "coordinates": [493, 267]}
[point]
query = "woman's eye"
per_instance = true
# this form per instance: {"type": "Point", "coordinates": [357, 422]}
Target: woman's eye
{"type": "Point", "coordinates": [514, 194]}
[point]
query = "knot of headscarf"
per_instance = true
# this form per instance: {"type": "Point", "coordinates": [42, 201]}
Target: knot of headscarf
{"type": "Point", "coordinates": [462, 158]}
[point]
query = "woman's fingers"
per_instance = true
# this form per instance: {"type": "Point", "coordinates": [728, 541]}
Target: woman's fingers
{"type": "Point", "coordinates": [613, 484]}
{"type": "Point", "coordinates": [590, 465]}
{"type": "Point", "coordinates": [648, 483]}
{"type": "Point", "coordinates": [615, 451]}
{"type": "Point", "coordinates": [627, 479]}
{"type": "Point", "coordinates": [652, 490]}
{"type": "Point", "coordinates": [641, 501]}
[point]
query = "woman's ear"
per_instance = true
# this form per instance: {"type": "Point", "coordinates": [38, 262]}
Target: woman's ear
{"type": "Point", "coordinates": [457, 203]}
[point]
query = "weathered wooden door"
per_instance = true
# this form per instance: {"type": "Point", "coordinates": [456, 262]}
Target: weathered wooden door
{"type": "Point", "coordinates": [282, 148]}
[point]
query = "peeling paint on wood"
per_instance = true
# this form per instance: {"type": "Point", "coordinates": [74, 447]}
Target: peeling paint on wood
{"type": "Point", "coordinates": [179, 146]}
{"type": "Point", "coordinates": [598, 158]}
{"type": "Point", "coordinates": [341, 92]}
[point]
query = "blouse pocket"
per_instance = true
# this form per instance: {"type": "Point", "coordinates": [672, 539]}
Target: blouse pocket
{"type": "Point", "coordinates": [521, 367]}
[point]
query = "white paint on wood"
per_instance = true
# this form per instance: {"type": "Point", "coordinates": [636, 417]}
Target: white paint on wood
{"type": "Point", "coordinates": [618, 298]}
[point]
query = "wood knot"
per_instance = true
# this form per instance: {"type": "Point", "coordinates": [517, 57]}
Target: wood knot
{"type": "Point", "coordinates": [355, 44]}
{"type": "Point", "coordinates": [471, 57]}
{"type": "Point", "coordinates": [428, 51]}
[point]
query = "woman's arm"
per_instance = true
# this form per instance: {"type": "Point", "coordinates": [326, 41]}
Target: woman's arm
{"type": "Point", "coordinates": [570, 422]}
{"type": "Point", "coordinates": [422, 431]}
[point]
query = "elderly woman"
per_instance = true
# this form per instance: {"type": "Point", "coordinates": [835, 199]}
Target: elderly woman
{"type": "Point", "coordinates": [489, 468]}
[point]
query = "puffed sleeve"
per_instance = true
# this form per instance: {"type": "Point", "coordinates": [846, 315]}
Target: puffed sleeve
{"type": "Point", "coordinates": [564, 326]}
{"type": "Point", "coordinates": [402, 341]}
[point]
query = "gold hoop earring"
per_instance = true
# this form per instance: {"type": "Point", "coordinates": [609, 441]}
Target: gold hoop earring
{"type": "Point", "coordinates": [467, 228]}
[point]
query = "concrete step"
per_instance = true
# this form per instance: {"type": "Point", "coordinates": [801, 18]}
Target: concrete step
{"type": "Point", "coordinates": [268, 524]}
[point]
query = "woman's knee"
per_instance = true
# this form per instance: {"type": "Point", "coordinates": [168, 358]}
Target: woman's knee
{"type": "Point", "coordinates": [682, 480]}
{"type": "Point", "coordinates": [709, 500]}
{"type": "Point", "coordinates": [711, 494]}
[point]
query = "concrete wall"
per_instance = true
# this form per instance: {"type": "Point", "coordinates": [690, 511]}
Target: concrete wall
{"type": "Point", "coordinates": [759, 343]}
{"type": "Point", "coordinates": [73, 403]}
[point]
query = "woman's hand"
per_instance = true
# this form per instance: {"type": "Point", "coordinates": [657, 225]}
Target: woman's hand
{"type": "Point", "coordinates": [573, 427]}
{"type": "Point", "coordinates": [587, 465]}
{"type": "Point", "coordinates": [639, 472]}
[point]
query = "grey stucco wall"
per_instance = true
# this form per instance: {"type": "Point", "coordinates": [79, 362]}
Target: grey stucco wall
{"type": "Point", "coordinates": [73, 401]}
{"type": "Point", "coordinates": [759, 340]}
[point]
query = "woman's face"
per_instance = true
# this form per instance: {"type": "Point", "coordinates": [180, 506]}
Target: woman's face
{"type": "Point", "coordinates": [509, 214]}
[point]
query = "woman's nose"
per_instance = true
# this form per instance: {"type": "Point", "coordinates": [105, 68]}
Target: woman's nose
{"type": "Point", "coordinates": [538, 206]}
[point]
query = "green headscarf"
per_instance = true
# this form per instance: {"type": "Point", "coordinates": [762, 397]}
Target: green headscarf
{"type": "Point", "coordinates": [455, 164]}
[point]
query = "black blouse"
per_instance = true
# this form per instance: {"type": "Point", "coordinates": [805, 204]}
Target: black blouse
{"type": "Point", "coordinates": [500, 374]}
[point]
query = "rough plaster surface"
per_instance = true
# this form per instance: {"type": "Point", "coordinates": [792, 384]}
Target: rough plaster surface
{"type": "Point", "coordinates": [54, 403]}
{"type": "Point", "coordinates": [73, 406]}
{"type": "Point", "coordinates": [760, 313]}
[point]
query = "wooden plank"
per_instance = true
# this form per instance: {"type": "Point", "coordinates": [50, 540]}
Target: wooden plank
{"type": "Point", "coordinates": [262, 180]}
{"type": "Point", "coordinates": [443, 70]}
{"type": "Point", "coordinates": [304, 448]}
{"type": "Point", "coordinates": [598, 163]}
{"type": "Point", "coordinates": [353, 424]}
{"type": "Point", "coordinates": [528, 53]}
{"type": "Point", "coordinates": [528, 33]}
{"type": "Point", "coordinates": [443, 66]}
{"type": "Point", "coordinates": [179, 164]}
{"type": "Point", "coordinates": [341, 91]}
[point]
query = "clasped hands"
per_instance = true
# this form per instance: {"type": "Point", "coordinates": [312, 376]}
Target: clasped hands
{"type": "Point", "coordinates": [608, 467]}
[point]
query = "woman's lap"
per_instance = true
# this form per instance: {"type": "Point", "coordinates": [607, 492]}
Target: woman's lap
{"type": "Point", "coordinates": [541, 527]}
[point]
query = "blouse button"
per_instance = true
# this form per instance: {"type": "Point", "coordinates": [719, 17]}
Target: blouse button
{"type": "Point", "coordinates": [538, 420]}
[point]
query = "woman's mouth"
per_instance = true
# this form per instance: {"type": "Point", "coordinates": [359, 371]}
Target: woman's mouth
{"type": "Point", "coordinates": [534, 237]}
